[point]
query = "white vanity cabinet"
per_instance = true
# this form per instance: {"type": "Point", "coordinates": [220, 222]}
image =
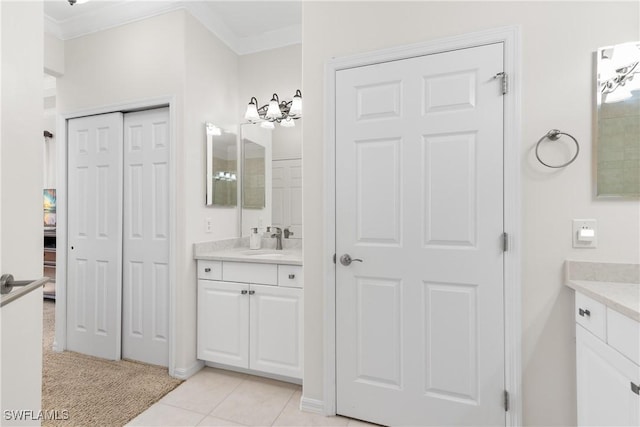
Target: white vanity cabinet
{"type": "Point", "coordinates": [252, 317]}
{"type": "Point", "coordinates": [607, 366]}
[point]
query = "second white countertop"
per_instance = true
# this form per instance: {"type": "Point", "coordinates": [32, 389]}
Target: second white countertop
{"type": "Point", "coordinates": [264, 256]}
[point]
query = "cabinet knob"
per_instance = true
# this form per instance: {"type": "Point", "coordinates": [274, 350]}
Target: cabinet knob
{"type": "Point", "coordinates": [252, 292]}
{"type": "Point", "coordinates": [584, 312]}
{"type": "Point", "coordinates": [635, 388]}
{"type": "Point", "coordinates": [292, 276]}
{"type": "Point", "coordinates": [207, 270]}
{"type": "Point", "coordinates": [243, 292]}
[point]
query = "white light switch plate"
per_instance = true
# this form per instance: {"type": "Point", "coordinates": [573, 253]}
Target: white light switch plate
{"type": "Point", "coordinates": [587, 224]}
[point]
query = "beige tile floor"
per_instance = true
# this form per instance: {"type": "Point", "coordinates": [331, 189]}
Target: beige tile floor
{"type": "Point", "coordinates": [215, 397]}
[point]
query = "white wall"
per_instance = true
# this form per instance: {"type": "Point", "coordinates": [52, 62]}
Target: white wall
{"type": "Point", "coordinates": [53, 55]}
{"type": "Point", "coordinates": [21, 213]}
{"type": "Point", "coordinates": [21, 146]}
{"type": "Point", "coordinates": [166, 55]}
{"type": "Point", "coordinates": [210, 96]}
{"type": "Point", "coordinates": [274, 71]}
{"type": "Point", "coordinates": [558, 44]}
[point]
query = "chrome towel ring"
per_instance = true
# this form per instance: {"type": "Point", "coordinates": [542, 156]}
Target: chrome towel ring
{"type": "Point", "coordinates": [554, 135]}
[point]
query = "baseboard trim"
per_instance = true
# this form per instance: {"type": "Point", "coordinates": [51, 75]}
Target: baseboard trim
{"type": "Point", "coordinates": [184, 373]}
{"type": "Point", "coordinates": [314, 406]}
{"type": "Point", "coordinates": [277, 377]}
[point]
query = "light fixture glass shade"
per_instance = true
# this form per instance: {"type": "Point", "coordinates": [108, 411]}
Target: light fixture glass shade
{"type": "Point", "coordinates": [296, 105]}
{"type": "Point", "coordinates": [273, 112]}
{"type": "Point", "coordinates": [213, 130]}
{"type": "Point", "coordinates": [267, 125]}
{"type": "Point", "coordinates": [288, 123]}
{"type": "Point", "coordinates": [252, 112]}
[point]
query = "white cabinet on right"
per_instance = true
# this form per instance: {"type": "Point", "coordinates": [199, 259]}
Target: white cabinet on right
{"type": "Point", "coordinates": [608, 374]}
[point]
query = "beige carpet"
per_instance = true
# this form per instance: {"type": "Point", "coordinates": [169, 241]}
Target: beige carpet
{"type": "Point", "coordinates": [96, 392]}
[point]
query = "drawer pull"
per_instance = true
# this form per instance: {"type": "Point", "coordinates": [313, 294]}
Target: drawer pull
{"type": "Point", "coordinates": [243, 292]}
{"type": "Point", "coordinates": [635, 388]}
{"type": "Point", "coordinates": [292, 276]}
{"type": "Point", "coordinates": [207, 270]}
{"type": "Point", "coordinates": [252, 292]}
{"type": "Point", "coordinates": [584, 313]}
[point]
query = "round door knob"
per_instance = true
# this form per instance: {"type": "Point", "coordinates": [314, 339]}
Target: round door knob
{"type": "Point", "coordinates": [347, 260]}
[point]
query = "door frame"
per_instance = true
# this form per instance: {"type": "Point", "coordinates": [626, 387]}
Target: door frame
{"type": "Point", "coordinates": [510, 36]}
{"type": "Point", "coordinates": [60, 339]}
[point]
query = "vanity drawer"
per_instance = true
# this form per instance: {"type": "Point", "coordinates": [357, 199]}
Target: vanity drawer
{"type": "Point", "coordinates": [290, 276]}
{"type": "Point", "coordinates": [591, 314]}
{"type": "Point", "coordinates": [248, 272]}
{"type": "Point", "coordinates": [623, 334]}
{"type": "Point", "coordinates": [209, 270]}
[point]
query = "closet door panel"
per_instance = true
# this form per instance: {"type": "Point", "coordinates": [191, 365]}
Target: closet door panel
{"type": "Point", "coordinates": [146, 237]}
{"type": "Point", "coordinates": [94, 253]}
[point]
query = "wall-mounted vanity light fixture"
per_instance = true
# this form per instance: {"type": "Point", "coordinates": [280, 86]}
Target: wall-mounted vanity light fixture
{"type": "Point", "coordinates": [276, 111]}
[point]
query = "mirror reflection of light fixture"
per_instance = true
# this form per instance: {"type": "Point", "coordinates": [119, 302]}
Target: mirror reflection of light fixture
{"type": "Point", "coordinates": [287, 123]}
{"type": "Point", "coordinates": [283, 112]}
{"type": "Point", "coordinates": [267, 125]}
{"type": "Point", "coordinates": [617, 68]}
{"type": "Point", "coordinates": [213, 130]}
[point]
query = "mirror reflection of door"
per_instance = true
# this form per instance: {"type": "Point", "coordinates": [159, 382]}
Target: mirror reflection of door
{"type": "Point", "coordinates": [287, 196]}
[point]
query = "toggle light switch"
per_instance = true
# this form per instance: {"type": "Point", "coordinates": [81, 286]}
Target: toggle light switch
{"type": "Point", "coordinates": [584, 233]}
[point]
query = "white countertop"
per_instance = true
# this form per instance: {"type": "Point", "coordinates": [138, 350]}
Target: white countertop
{"type": "Point", "coordinates": [291, 256]}
{"type": "Point", "coordinates": [621, 297]}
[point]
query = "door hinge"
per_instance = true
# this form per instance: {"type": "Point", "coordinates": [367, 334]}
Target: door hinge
{"type": "Point", "coordinates": [506, 401]}
{"type": "Point", "coordinates": [505, 81]}
{"type": "Point", "coordinates": [334, 258]}
{"type": "Point", "coordinates": [505, 242]}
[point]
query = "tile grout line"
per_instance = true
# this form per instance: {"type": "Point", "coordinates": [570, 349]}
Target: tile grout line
{"type": "Point", "coordinates": [226, 397]}
{"type": "Point", "coordinates": [284, 407]}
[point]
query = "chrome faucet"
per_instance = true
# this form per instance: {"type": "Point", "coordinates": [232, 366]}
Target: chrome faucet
{"type": "Point", "coordinates": [278, 236]}
{"type": "Point", "coordinates": [287, 232]}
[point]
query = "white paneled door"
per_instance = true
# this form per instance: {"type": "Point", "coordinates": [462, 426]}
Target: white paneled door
{"type": "Point", "coordinates": [118, 228]}
{"type": "Point", "coordinates": [419, 200]}
{"type": "Point", "coordinates": [94, 267]}
{"type": "Point", "coordinates": [145, 279]}
{"type": "Point", "coordinates": [286, 184]}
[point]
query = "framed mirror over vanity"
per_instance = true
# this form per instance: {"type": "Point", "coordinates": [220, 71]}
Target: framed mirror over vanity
{"type": "Point", "coordinates": [618, 121]}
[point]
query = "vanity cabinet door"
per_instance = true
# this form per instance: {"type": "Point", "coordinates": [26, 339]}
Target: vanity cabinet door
{"type": "Point", "coordinates": [223, 322]}
{"type": "Point", "coordinates": [604, 384]}
{"type": "Point", "coordinates": [276, 330]}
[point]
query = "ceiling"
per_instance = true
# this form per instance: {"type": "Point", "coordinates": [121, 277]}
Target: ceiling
{"type": "Point", "coordinates": [245, 26]}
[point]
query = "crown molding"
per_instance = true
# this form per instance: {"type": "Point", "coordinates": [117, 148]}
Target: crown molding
{"type": "Point", "coordinates": [214, 24]}
{"type": "Point", "coordinates": [271, 40]}
{"type": "Point", "coordinates": [116, 15]}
